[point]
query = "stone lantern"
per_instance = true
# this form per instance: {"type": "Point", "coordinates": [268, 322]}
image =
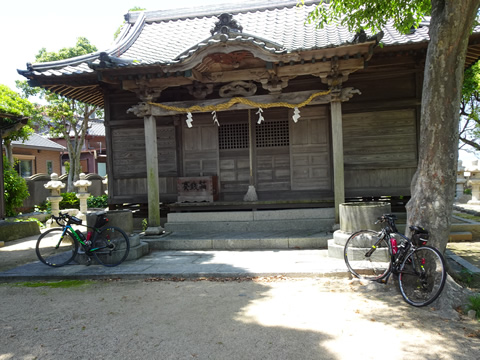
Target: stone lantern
{"type": "Point", "coordinates": [54, 185]}
{"type": "Point", "coordinates": [460, 181]}
{"type": "Point", "coordinates": [82, 193]}
{"type": "Point", "coordinates": [474, 181]}
{"type": "Point", "coordinates": [105, 182]}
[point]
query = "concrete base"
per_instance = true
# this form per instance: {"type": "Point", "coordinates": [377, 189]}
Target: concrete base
{"type": "Point", "coordinates": [321, 219]}
{"type": "Point", "coordinates": [16, 230]}
{"type": "Point", "coordinates": [137, 250]}
{"type": "Point", "coordinates": [238, 241]}
{"type": "Point", "coordinates": [154, 230]}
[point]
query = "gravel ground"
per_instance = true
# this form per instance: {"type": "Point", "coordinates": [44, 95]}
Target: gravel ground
{"type": "Point", "coordinates": [265, 318]}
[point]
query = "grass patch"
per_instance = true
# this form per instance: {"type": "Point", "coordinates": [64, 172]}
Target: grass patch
{"type": "Point", "coordinates": [474, 304]}
{"type": "Point", "coordinates": [467, 216]}
{"type": "Point", "coordinates": [63, 284]}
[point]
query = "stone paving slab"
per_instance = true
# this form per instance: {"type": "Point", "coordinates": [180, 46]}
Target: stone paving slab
{"type": "Point", "coordinates": [294, 263]}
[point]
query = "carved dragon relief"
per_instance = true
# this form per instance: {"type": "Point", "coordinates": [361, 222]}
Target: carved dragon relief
{"type": "Point", "coordinates": [238, 88]}
{"type": "Point", "coordinates": [275, 84]}
{"type": "Point", "coordinates": [146, 93]}
{"type": "Point", "coordinates": [199, 90]}
{"type": "Point", "coordinates": [141, 110]}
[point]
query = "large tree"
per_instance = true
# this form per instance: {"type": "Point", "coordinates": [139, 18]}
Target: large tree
{"type": "Point", "coordinates": [65, 117]}
{"type": "Point", "coordinates": [451, 23]}
{"type": "Point", "coordinates": [12, 107]}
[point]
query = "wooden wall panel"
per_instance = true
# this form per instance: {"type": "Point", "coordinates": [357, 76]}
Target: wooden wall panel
{"type": "Point", "coordinates": [200, 147]}
{"type": "Point", "coordinates": [380, 152]}
{"type": "Point", "coordinates": [310, 150]}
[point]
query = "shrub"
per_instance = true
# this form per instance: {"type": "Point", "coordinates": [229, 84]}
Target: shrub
{"type": "Point", "coordinates": [97, 201]}
{"type": "Point", "coordinates": [69, 201]}
{"type": "Point", "coordinates": [16, 189]}
{"type": "Point", "coordinates": [474, 304]}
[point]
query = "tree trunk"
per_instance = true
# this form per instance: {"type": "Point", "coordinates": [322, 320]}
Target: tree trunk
{"type": "Point", "coordinates": [9, 151]}
{"type": "Point", "coordinates": [433, 186]}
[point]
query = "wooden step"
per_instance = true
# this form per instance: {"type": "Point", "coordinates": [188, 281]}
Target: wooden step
{"type": "Point", "coordinates": [459, 236]}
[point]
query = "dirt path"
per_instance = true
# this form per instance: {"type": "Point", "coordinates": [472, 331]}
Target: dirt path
{"type": "Point", "coordinates": [262, 319]}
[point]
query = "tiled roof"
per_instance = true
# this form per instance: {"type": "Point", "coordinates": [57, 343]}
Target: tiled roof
{"type": "Point", "coordinates": [96, 128]}
{"type": "Point", "coordinates": [37, 141]}
{"type": "Point", "coordinates": [172, 36]}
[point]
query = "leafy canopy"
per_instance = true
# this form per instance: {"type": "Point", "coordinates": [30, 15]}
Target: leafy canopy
{"type": "Point", "coordinates": [83, 47]}
{"type": "Point", "coordinates": [12, 103]}
{"type": "Point", "coordinates": [371, 15]}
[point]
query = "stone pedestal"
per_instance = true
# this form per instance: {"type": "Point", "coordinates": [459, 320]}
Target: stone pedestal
{"type": "Point", "coordinates": [475, 191]}
{"type": "Point", "coordinates": [355, 217]}
{"type": "Point", "coordinates": [82, 194]}
{"type": "Point", "coordinates": [55, 186]}
{"type": "Point", "coordinates": [122, 219]}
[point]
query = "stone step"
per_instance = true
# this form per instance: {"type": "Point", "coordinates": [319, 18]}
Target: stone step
{"type": "Point", "coordinates": [238, 241]}
{"type": "Point", "coordinates": [250, 226]}
{"type": "Point", "coordinates": [459, 236]}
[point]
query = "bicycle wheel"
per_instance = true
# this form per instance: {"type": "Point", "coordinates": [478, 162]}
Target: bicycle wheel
{"type": "Point", "coordinates": [54, 250]}
{"type": "Point", "coordinates": [367, 255]}
{"type": "Point", "coordinates": [422, 276]}
{"type": "Point", "coordinates": [111, 246]}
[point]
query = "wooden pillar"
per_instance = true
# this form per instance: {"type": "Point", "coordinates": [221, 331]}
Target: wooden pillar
{"type": "Point", "coordinates": [151, 153]}
{"type": "Point", "coordinates": [338, 164]}
{"type": "Point", "coordinates": [2, 190]}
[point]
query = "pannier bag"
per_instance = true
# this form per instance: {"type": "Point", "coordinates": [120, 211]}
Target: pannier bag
{"type": "Point", "coordinates": [420, 236]}
{"type": "Point", "coordinates": [76, 221]}
{"type": "Point", "coordinates": [101, 220]}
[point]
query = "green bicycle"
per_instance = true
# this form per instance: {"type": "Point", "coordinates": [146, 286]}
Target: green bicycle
{"type": "Point", "coordinates": [109, 245]}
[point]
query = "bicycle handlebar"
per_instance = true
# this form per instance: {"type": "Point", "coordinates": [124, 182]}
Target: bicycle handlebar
{"type": "Point", "coordinates": [386, 217]}
{"type": "Point", "coordinates": [62, 218]}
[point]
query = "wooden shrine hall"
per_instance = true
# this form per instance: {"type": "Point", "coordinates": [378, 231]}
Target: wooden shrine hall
{"type": "Point", "coordinates": [247, 107]}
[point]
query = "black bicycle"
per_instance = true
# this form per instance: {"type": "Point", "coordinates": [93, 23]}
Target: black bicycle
{"type": "Point", "coordinates": [375, 255]}
{"type": "Point", "coordinates": [109, 245]}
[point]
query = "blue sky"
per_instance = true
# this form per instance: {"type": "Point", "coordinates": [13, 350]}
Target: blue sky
{"type": "Point", "coordinates": [29, 25]}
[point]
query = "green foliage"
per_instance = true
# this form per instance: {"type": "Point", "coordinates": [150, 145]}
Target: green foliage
{"type": "Point", "coordinates": [45, 206]}
{"type": "Point", "coordinates": [67, 166]}
{"type": "Point", "coordinates": [57, 284]}
{"type": "Point", "coordinates": [467, 191]}
{"type": "Point", "coordinates": [40, 224]}
{"type": "Point", "coordinates": [16, 189]}
{"type": "Point", "coordinates": [470, 107]}
{"type": "Point", "coordinates": [144, 224]}
{"type": "Point", "coordinates": [466, 277]}
{"type": "Point", "coordinates": [13, 104]}
{"type": "Point", "coordinates": [97, 201]}
{"type": "Point", "coordinates": [371, 15]}
{"type": "Point", "coordinates": [82, 47]}
{"type": "Point", "coordinates": [474, 304]}
{"type": "Point", "coordinates": [69, 201]}
{"type": "Point", "coordinates": [136, 8]}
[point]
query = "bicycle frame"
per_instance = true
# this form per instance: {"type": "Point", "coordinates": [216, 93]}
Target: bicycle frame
{"type": "Point", "coordinates": [85, 245]}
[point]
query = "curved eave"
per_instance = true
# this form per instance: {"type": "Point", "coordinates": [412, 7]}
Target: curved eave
{"type": "Point", "coordinates": [84, 88]}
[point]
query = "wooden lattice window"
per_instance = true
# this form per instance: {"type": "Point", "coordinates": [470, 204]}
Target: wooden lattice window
{"type": "Point", "coordinates": [272, 134]}
{"type": "Point", "coordinates": [233, 136]}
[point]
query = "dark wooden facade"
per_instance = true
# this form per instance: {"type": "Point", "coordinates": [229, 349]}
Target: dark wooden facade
{"type": "Point", "coordinates": [292, 161]}
{"type": "Point", "coordinates": [359, 138]}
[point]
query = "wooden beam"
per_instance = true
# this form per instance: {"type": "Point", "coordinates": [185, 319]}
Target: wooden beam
{"type": "Point", "coordinates": [290, 98]}
{"type": "Point", "coordinates": [317, 68]}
